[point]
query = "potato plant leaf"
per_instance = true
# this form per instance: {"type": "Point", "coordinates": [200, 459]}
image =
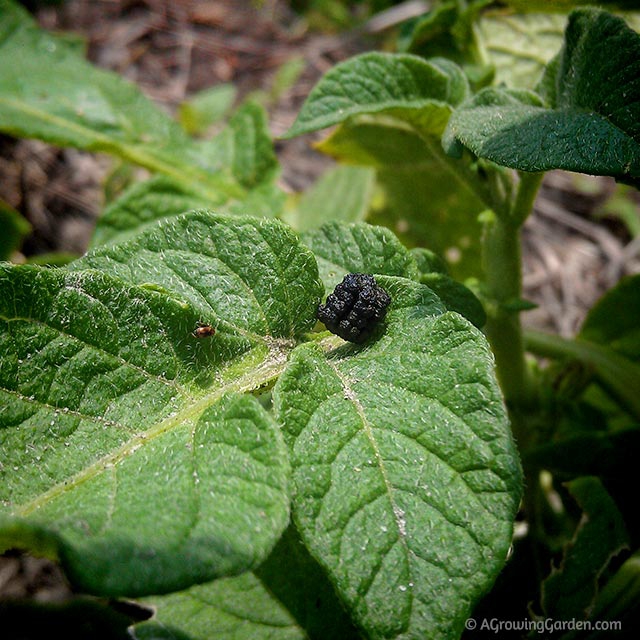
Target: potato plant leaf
{"type": "Point", "coordinates": [343, 193]}
{"type": "Point", "coordinates": [246, 147]}
{"type": "Point", "coordinates": [457, 297]}
{"type": "Point", "coordinates": [236, 607]}
{"type": "Point", "coordinates": [521, 45]}
{"type": "Point", "coordinates": [127, 452]}
{"type": "Point", "coordinates": [425, 199]}
{"type": "Point", "coordinates": [287, 598]}
{"type": "Point", "coordinates": [206, 107]}
{"type": "Point", "coordinates": [357, 248]}
{"type": "Point", "coordinates": [405, 476]}
{"type": "Point", "coordinates": [570, 590]}
{"type": "Point", "coordinates": [201, 258]}
{"type": "Point", "coordinates": [143, 204]}
{"type": "Point", "coordinates": [447, 29]}
{"type": "Point", "coordinates": [604, 324]}
{"type": "Point", "coordinates": [396, 127]}
{"type": "Point", "coordinates": [590, 123]}
{"type": "Point", "coordinates": [342, 249]}
{"type": "Point", "coordinates": [376, 83]}
{"type": "Point", "coordinates": [97, 110]}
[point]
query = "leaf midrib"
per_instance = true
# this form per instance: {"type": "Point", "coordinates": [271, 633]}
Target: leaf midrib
{"type": "Point", "coordinates": [270, 368]}
{"type": "Point", "coordinates": [189, 174]}
{"type": "Point", "coordinates": [366, 427]}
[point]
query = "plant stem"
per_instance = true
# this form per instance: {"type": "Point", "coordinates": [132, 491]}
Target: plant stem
{"type": "Point", "coordinates": [502, 261]}
{"type": "Point", "coordinates": [503, 277]}
{"type": "Point", "coordinates": [617, 373]}
{"type": "Point", "coordinates": [525, 196]}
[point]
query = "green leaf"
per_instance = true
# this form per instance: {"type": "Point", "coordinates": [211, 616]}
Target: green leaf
{"type": "Point", "coordinates": [396, 127]}
{"type": "Point", "coordinates": [206, 108]}
{"type": "Point", "coordinates": [14, 229]}
{"type": "Point", "coordinates": [425, 200]}
{"type": "Point", "coordinates": [201, 259]}
{"type": "Point", "coordinates": [244, 146]}
{"type": "Point", "coordinates": [117, 469]}
{"type": "Point", "coordinates": [448, 29]}
{"type": "Point", "coordinates": [143, 204]}
{"type": "Point", "coordinates": [606, 325]}
{"type": "Point", "coordinates": [456, 297]}
{"type": "Point", "coordinates": [377, 82]}
{"type": "Point", "coordinates": [430, 34]}
{"type": "Point", "coordinates": [357, 248]}
{"type": "Point", "coordinates": [288, 597]}
{"type": "Point", "coordinates": [105, 454]}
{"type": "Point", "coordinates": [51, 93]}
{"type": "Point", "coordinates": [591, 123]}
{"type": "Point", "coordinates": [520, 46]}
{"type": "Point", "coordinates": [343, 193]}
{"type": "Point", "coordinates": [292, 575]}
{"type": "Point", "coordinates": [428, 262]}
{"type": "Point", "coordinates": [126, 452]}
{"type": "Point", "coordinates": [238, 608]}
{"type": "Point", "coordinates": [406, 479]}
{"type": "Point", "coordinates": [569, 591]}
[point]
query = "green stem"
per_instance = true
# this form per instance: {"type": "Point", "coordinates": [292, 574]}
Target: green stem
{"type": "Point", "coordinates": [503, 277]}
{"type": "Point", "coordinates": [502, 261]}
{"type": "Point", "coordinates": [525, 196]}
{"type": "Point", "coordinates": [615, 372]}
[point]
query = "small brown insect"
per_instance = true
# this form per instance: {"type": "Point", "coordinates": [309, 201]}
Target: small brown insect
{"type": "Point", "coordinates": [203, 330]}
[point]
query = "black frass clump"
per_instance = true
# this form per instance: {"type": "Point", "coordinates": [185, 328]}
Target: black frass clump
{"type": "Point", "coordinates": [355, 307]}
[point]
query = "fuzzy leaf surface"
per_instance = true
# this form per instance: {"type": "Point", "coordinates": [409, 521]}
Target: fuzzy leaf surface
{"type": "Point", "coordinates": [380, 82]}
{"type": "Point", "coordinates": [239, 271]}
{"type": "Point", "coordinates": [590, 121]}
{"type": "Point", "coordinates": [358, 248]}
{"type": "Point", "coordinates": [406, 478]}
{"type": "Point", "coordinates": [126, 452]}
{"type": "Point", "coordinates": [288, 597]}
